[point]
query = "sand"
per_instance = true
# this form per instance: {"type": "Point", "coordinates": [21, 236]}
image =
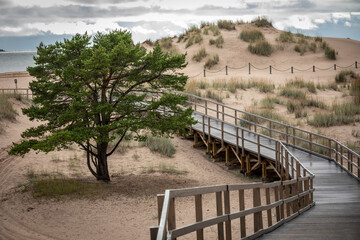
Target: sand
{"type": "Point", "coordinates": [129, 211]}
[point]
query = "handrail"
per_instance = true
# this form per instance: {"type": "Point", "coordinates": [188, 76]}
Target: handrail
{"type": "Point", "coordinates": [303, 139]}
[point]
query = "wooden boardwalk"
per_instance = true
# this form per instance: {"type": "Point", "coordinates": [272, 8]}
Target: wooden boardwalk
{"type": "Point", "coordinates": [336, 214]}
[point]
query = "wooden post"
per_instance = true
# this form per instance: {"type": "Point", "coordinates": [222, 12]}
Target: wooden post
{"type": "Point", "coordinates": [214, 151]}
{"type": "Point", "coordinates": [282, 212]}
{"type": "Point", "coordinates": [287, 165]}
{"type": "Point", "coordinates": [292, 69]}
{"type": "Point", "coordinates": [153, 232]}
{"type": "Point", "coordinates": [206, 108]}
{"type": "Point", "coordinates": [306, 187]}
{"type": "Point", "coordinates": [237, 140]}
{"type": "Point", "coordinates": [242, 143]}
{"type": "Point", "coordinates": [282, 164]}
{"type": "Point", "coordinates": [222, 134]}
{"type": "Point", "coordinates": [199, 216]}
{"type": "Point", "coordinates": [204, 72]}
{"type": "Point", "coordinates": [270, 69]}
{"type": "Point", "coordinates": [203, 122]}
{"type": "Point", "coordinates": [270, 131]}
{"type": "Point", "coordinates": [171, 217]}
{"type": "Point", "coordinates": [310, 138]}
{"type": "Point", "coordinates": [209, 137]}
{"type": "Point", "coordinates": [242, 219]}
{"type": "Point", "coordinates": [263, 168]}
{"type": "Point", "coordinates": [223, 112]}
{"type": "Point", "coordinates": [219, 212]}
{"type": "Point", "coordinates": [249, 67]}
{"type": "Point", "coordinates": [329, 152]}
{"type": "Point", "coordinates": [276, 193]}
{"type": "Point", "coordinates": [341, 155]}
{"type": "Point", "coordinates": [335, 67]}
{"type": "Point", "coordinates": [226, 69]}
{"type": "Point", "coordinates": [269, 217]}
{"type": "Point", "coordinates": [314, 68]}
{"type": "Point", "coordinates": [27, 93]}
{"type": "Point", "coordinates": [217, 111]}
{"type": "Point", "coordinates": [292, 168]}
{"type": "Point", "coordinates": [248, 166]}
{"type": "Point", "coordinates": [227, 211]}
{"type": "Point", "coordinates": [258, 147]}
{"type": "Point", "coordinates": [358, 170]}
{"type": "Point", "coordinates": [235, 117]}
{"type": "Point", "coordinates": [349, 161]}
{"type": "Point", "coordinates": [258, 215]}
{"type": "Point", "coordinates": [336, 154]}
{"type": "Point", "coordinates": [294, 137]}
{"type": "Point", "coordinates": [287, 134]}
{"type": "Point", "coordinates": [255, 127]}
{"type": "Point", "coordinates": [160, 202]}
{"type": "Point", "coordinates": [227, 155]}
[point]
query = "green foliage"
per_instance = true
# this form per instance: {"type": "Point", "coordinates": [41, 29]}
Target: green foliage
{"type": "Point", "coordinates": [261, 47]}
{"type": "Point", "coordinates": [226, 24]}
{"type": "Point", "coordinates": [251, 35]}
{"type": "Point", "coordinates": [286, 37]}
{"type": "Point", "coordinates": [6, 109]}
{"type": "Point", "coordinates": [206, 31]}
{"type": "Point", "coordinates": [269, 102]}
{"type": "Point", "coordinates": [200, 55]}
{"type": "Point", "coordinates": [219, 41]}
{"type": "Point", "coordinates": [344, 76]}
{"type": "Point", "coordinates": [88, 94]}
{"type": "Point", "coordinates": [300, 49]}
{"type": "Point", "coordinates": [300, 83]}
{"type": "Point", "coordinates": [292, 93]}
{"type": "Point", "coordinates": [330, 53]}
{"type": "Point", "coordinates": [212, 61]}
{"type": "Point", "coordinates": [161, 145]}
{"type": "Point", "coordinates": [330, 119]}
{"type": "Point", "coordinates": [313, 47]}
{"type": "Point", "coordinates": [213, 95]}
{"type": "Point", "coordinates": [318, 39]}
{"type": "Point", "coordinates": [355, 89]}
{"type": "Point", "coordinates": [194, 38]}
{"type": "Point", "coordinates": [149, 42]}
{"type": "Point", "coordinates": [261, 22]}
{"type": "Point", "coordinates": [214, 29]}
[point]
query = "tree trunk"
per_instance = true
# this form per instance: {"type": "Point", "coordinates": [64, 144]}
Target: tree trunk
{"type": "Point", "coordinates": [102, 171]}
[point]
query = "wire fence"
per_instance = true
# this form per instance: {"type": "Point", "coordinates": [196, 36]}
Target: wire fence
{"type": "Point", "coordinates": [251, 68]}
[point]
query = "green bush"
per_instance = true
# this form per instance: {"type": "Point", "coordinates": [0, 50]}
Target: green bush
{"type": "Point", "coordinates": [312, 47]}
{"type": "Point", "coordinates": [161, 145]}
{"type": "Point", "coordinates": [261, 22]}
{"type": "Point", "coordinates": [261, 47]}
{"type": "Point", "coordinates": [251, 35]}
{"type": "Point", "coordinates": [212, 61]}
{"type": "Point", "coordinates": [343, 76]}
{"type": "Point", "coordinates": [225, 24]}
{"type": "Point", "coordinates": [206, 31]}
{"type": "Point", "coordinates": [330, 53]}
{"type": "Point", "coordinates": [300, 49]}
{"type": "Point", "coordinates": [200, 55]}
{"type": "Point", "coordinates": [218, 41]}
{"type": "Point", "coordinates": [6, 109]}
{"type": "Point", "coordinates": [286, 37]}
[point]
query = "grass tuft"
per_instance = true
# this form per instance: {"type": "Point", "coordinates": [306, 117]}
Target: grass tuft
{"type": "Point", "coordinates": [161, 145]}
{"type": "Point", "coordinates": [261, 22]}
{"type": "Point", "coordinates": [200, 55]}
{"type": "Point", "coordinates": [261, 47]}
{"type": "Point", "coordinates": [6, 109]}
{"type": "Point", "coordinates": [212, 61]}
{"type": "Point", "coordinates": [344, 76]}
{"type": "Point", "coordinates": [226, 24]}
{"type": "Point", "coordinates": [251, 35]}
{"type": "Point", "coordinates": [286, 37]}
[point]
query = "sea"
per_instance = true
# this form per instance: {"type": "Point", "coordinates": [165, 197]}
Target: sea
{"type": "Point", "coordinates": [16, 61]}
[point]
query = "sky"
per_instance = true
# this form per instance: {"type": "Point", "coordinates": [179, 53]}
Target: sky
{"type": "Point", "coordinates": [26, 23]}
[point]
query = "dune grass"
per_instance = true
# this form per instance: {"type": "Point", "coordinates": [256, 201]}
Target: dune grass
{"type": "Point", "coordinates": [286, 37]}
{"type": "Point", "coordinates": [200, 55]}
{"type": "Point", "coordinates": [226, 24]}
{"type": "Point", "coordinates": [251, 35]}
{"type": "Point", "coordinates": [261, 22]}
{"type": "Point", "coordinates": [328, 51]}
{"type": "Point", "coordinates": [214, 95]}
{"type": "Point", "coordinates": [261, 47]}
{"type": "Point", "coordinates": [355, 89]}
{"type": "Point", "coordinates": [293, 93]}
{"type": "Point", "coordinates": [269, 102]}
{"type": "Point", "coordinates": [233, 84]}
{"type": "Point", "coordinates": [212, 61]}
{"type": "Point", "coordinates": [6, 109]}
{"type": "Point", "coordinates": [300, 83]}
{"type": "Point", "coordinates": [344, 76]}
{"type": "Point", "coordinates": [214, 29]}
{"type": "Point", "coordinates": [161, 145]}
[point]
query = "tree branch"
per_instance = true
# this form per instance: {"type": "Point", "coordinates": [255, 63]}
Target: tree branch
{"type": "Point", "coordinates": [117, 144]}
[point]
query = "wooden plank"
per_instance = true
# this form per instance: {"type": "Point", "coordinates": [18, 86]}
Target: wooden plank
{"type": "Point", "coordinates": [242, 207]}
{"type": "Point", "coordinates": [219, 212]}
{"type": "Point", "coordinates": [199, 216]}
{"type": "Point", "coordinates": [258, 215]}
{"type": "Point", "coordinates": [171, 217]}
{"type": "Point", "coordinates": [160, 203]}
{"type": "Point", "coordinates": [277, 197]}
{"type": "Point", "coordinates": [153, 232]}
{"type": "Point", "coordinates": [227, 211]}
{"type": "Point", "coordinates": [185, 192]}
{"type": "Point", "coordinates": [269, 217]}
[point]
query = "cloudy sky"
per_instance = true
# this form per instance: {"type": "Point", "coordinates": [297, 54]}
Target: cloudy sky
{"type": "Point", "coordinates": [24, 23]}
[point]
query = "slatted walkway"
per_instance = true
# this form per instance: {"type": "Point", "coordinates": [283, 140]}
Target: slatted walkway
{"type": "Point", "coordinates": [336, 214]}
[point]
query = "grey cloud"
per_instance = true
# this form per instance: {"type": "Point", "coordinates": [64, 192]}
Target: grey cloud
{"type": "Point", "coordinates": [90, 2]}
{"type": "Point", "coordinates": [217, 10]}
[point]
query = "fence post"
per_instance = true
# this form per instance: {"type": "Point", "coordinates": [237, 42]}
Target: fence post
{"type": "Point", "coordinates": [292, 69]}
{"type": "Point", "coordinates": [335, 66]}
{"type": "Point", "coordinates": [217, 110]}
{"type": "Point", "coordinates": [223, 112]}
{"type": "Point", "coordinates": [270, 69]}
{"type": "Point", "coordinates": [235, 117]}
{"type": "Point", "coordinates": [258, 146]}
{"type": "Point", "coordinates": [249, 67]}
{"type": "Point", "coordinates": [160, 202]}
{"type": "Point", "coordinates": [226, 69]}
{"type": "Point", "coordinates": [310, 138]}
{"type": "Point", "coordinates": [270, 129]}
{"type": "Point", "coordinates": [206, 108]}
{"type": "Point", "coordinates": [329, 141]}
{"type": "Point", "coordinates": [222, 134]}
{"type": "Point", "coordinates": [287, 134]}
{"type": "Point", "coordinates": [258, 215]}
{"type": "Point", "coordinates": [242, 207]}
{"type": "Point", "coordinates": [355, 64]}
{"type": "Point", "coordinates": [227, 211]}
{"type": "Point", "coordinates": [219, 212]}
{"type": "Point", "coordinates": [314, 68]}
{"type": "Point", "coordinates": [237, 140]}
{"type": "Point", "coordinates": [171, 218]}
{"type": "Point", "coordinates": [204, 72]}
{"type": "Point", "coordinates": [153, 232]}
{"type": "Point", "coordinates": [199, 216]}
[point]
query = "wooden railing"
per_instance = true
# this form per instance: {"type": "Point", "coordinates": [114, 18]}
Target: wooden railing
{"type": "Point", "coordinates": [17, 91]}
{"type": "Point", "coordinates": [305, 140]}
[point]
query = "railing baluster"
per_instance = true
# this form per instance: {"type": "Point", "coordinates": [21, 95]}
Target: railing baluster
{"type": "Point", "coordinates": [242, 219]}
{"type": "Point", "coordinates": [258, 225]}
{"type": "Point", "coordinates": [199, 215]}
{"type": "Point", "coordinates": [219, 212]}
{"type": "Point", "coordinates": [227, 211]}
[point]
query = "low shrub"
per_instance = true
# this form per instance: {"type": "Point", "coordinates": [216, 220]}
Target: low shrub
{"type": "Point", "coordinates": [212, 61]}
{"type": "Point", "coordinates": [300, 49]}
{"type": "Point", "coordinates": [226, 24]}
{"type": "Point", "coordinates": [200, 55]}
{"type": "Point", "coordinates": [300, 83]}
{"type": "Point", "coordinates": [251, 35]}
{"type": "Point", "coordinates": [330, 53]}
{"type": "Point", "coordinates": [344, 76]}
{"type": "Point", "coordinates": [261, 47]}
{"type": "Point", "coordinates": [161, 145]}
{"type": "Point", "coordinates": [149, 42]}
{"type": "Point", "coordinates": [261, 22]}
{"type": "Point", "coordinates": [286, 37]}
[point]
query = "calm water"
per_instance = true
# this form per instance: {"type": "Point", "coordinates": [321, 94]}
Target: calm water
{"type": "Point", "coordinates": [16, 61]}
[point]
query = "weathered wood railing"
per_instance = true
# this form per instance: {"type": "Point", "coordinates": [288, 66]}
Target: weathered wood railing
{"type": "Point", "coordinates": [281, 202]}
{"type": "Point", "coordinates": [305, 140]}
{"type": "Point", "coordinates": [17, 91]}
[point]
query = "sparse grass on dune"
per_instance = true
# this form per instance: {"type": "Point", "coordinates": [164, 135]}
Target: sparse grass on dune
{"type": "Point", "coordinates": [344, 76]}
{"type": "Point", "coordinates": [226, 24]}
{"type": "Point", "coordinates": [200, 55]}
{"type": "Point", "coordinates": [251, 35]}
{"type": "Point", "coordinates": [300, 83]}
{"type": "Point", "coordinates": [286, 37]}
{"type": "Point", "coordinates": [266, 113]}
{"type": "Point", "coordinates": [355, 89]}
{"type": "Point", "coordinates": [261, 47]}
{"type": "Point", "coordinates": [6, 109]}
{"type": "Point", "coordinates": [214, 95]}
{"type": "Point", "coordinates": [261, 22]}
{"type": "Point", "coordinates": [212, 61]}
{"type": "Point", "coordinates": [293, 93]}
{"type": "Point", "coordinates": [161, 145]}
{"type": "Point", "coordinates": [164, 169]}
{"type": "Point", "coordinates": [233, 84]}
{"type": "Point", "coordinates": [218, 42]}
